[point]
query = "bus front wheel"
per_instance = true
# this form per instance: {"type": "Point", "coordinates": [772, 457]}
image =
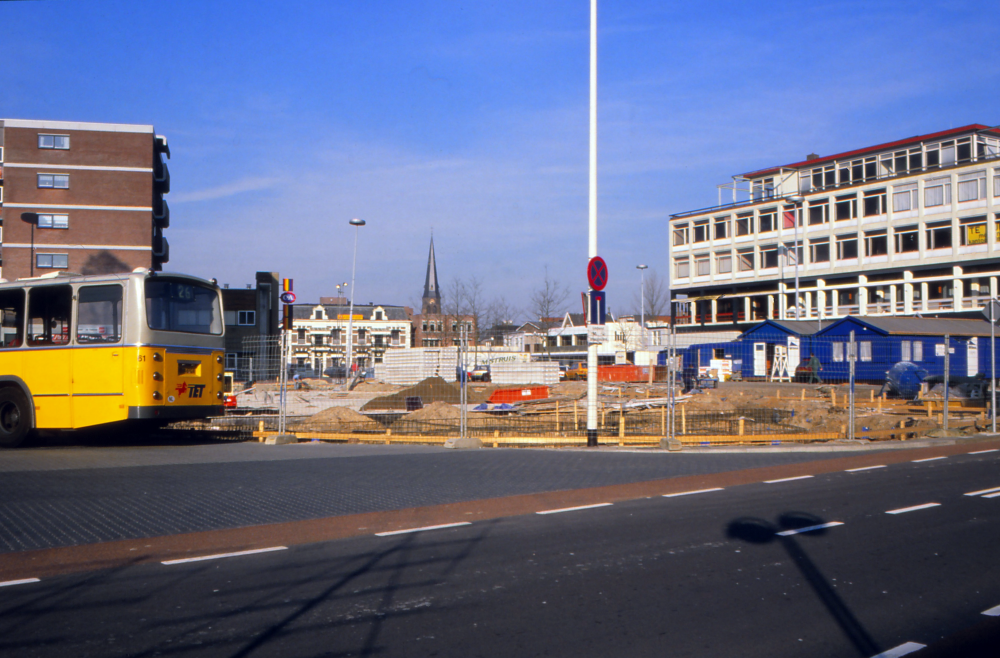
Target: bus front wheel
{"type": "Point", "coordinates": [14, 418]}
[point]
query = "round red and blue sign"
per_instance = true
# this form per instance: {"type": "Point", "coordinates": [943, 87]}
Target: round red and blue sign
{"type": "Point", "coordinates": [288, 297]}
{"type": "Point", "coordinates": [597, 273]}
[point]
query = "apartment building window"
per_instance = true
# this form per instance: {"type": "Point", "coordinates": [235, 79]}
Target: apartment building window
{"type": "Point", "coordinates": [336, 336]}
{"type": "Point", "coordinates": [819, 212]}
{"type": "Point", "coordinates": [680, 235]}
{"type": "Point", "coordinates": [972, 186]}
{"type": "Point", "coordinates": [939, 235]}
{"type": "Point", "coordinates": [53, 221]}
{"type": "Point", "coordinates": [724, 262]}
{"type": "Point", "coordinates": [745, 257]}
{"type": "Point", "coordinates": [361, 336]}
{"type": "Point", "coordinates": [317, 339]}
{"type": "Point", "coordinates": [682, 268]}
{"type": "Point", "coordinates": [394, 336]}
{"type": "Point", "coordinates": [246, 318]}
{"type": "Point", "coordinates": [722, 227]}
{"type": "Point", "coordinates": [701, 231]}
{"type": "Point", "coordinates": [53, 142]}
{"type": "Point", "coordinates": [846, 208]}
{"type": "Point", "coordinates": [300, 336]}
{"type": "Point", "coordinates": [768, 257]}
{"type": "Point", "coordinates": [874, 201]}
{"type": "Point", "coordinates": [819, 250]}
{"type": "Point", "coordinates": [907, 239]}
{"type": "Point", "coordinates": [972, 230]}
{"type": "Point", "coordinates": [767, 221]}
{"type": "Point", "coordinates": [937, 192]}
{"type": "Point", "coordinates": [904, 198]}
{"type": "Point", "coordinates": [54, 261]}
{"type": "Point", "coordinates": [847, 246]}
{"type": "Point", "coordinates": [57, 181]}
{"type": "Point", "coordinates": [378, 316]}
{"type": "Point", "coordinates": [744, 224]}
{"type": "Point", "coordinates": [702, 265]}
{"type": "Point", "coordinates": [876, 243]}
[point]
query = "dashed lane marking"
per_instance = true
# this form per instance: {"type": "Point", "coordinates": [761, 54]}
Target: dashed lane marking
{"type": "Point", "coordinates": [992, 495]}
{"type": "Point", "coordinates": [691, 493]}
{"type": "Point", "coordinates": [864, 468]}
{"type": "Point", "coordinates": [912, 509]}
{"type": "Point", "coordinates": [992, 612]}
{"type": "Point", "coordinates": [821, 526]}
{"type": "Point", "coordinates": [982, 491]}
{"type": "Point", "coordinates": [928, 459]}
{"type": "Point", "coordinates": [23, 581]}
{"type": "Point", "coordinates": [901, 650]}
{"type": "Point", "coordinates": [223, 555]}
{"type": "Point", "coordinates": [983, 452]}
{"type": "Point", "coordinates": [573, 509]}
{"type": "Point", "coordinates": [798, 477]}
{"type": "Point", "coordinates": [423, 529]}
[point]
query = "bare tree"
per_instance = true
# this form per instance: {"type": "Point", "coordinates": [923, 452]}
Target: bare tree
{"type": "Point", "coordinates": [498, 312]}
{"type": "Point", "coordinates": [657, 295]}
{"type": "Point", "coordinates": [550, 300]}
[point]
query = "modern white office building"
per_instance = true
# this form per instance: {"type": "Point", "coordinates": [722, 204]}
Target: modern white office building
{"type": "Point", "coordinates": [903, 228]}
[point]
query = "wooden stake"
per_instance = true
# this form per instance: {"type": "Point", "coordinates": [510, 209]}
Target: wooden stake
{"type": "Point", "coordinates": [803, 397]}
{"type": "Point", "coordinates": [779, 393]}
{"type": "Point", "coordinates": [604, 413]}
{"type": "Point", "coordinates": [872, 396]}
{"type": "Point", "coordinates": [741, 426]}
{"type": "Point", "coordinates": [576, 415]}
{"type": "Point", "coordinates": [663, 420]}
{"type": "Point", "coordinates": [621, 425]}
{"type": "Point", "coordinates": [880, 403]}
{"type": "Point", "coordinates": [558, 427]}
{"type": "Point", "coordinates": [833, 398]}
{"type": "Point", "coordinates": [684, 422]}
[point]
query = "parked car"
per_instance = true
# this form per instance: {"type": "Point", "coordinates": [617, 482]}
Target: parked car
{"type": "Point", "coordinates": [578, 372]}
{"type": "Point", "coordinates": [480, 373]}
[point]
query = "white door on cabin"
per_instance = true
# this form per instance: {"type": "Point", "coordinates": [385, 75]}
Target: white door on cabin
{"type": "Point", "coordinates": [972, 367]}
{"type": "Point", "coordinates": [794, 356]}
{"type": "Point", "coordinates": [760, 359]}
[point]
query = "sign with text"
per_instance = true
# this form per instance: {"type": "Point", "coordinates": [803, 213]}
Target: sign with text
{"type": "Point", "coordinates": [596, 334]}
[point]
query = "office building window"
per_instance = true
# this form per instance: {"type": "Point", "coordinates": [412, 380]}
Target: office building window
{"type": "Point", "coordinates": [874, 202]}
{"type": "Point", "coordinates": [745, 257]}
{"type": "Point", "coordinates": [53, 142]}
{"type": "Point", "coordinates": [846, 208]}
{"type": "Point", "coordinates": [743, 224]}
{"type": "Point", "coordinates": [876, 243]}
{"type": "Point", "coordinates": [972, 187]}
{"type": "Point", "coordinates": [819, 250]}
{"type": "Point", "coordinates": [939, 235]}
{"type": "Point", "coordinates": [819, 212]}
{"type": "Point", "coordinates": [680, 235]}
{"type": "Point", "coordinates": [53, 221]}
{"type": "Point", "coordinates": [702, 265]}
{"type": "Point", "coordinates": [767, 221]}
{"type": "Point", "coordinates": [904, 198]}
{"type": "Point", "coordinates": [701, 231]}
{"type": "Point", "coordinates": [682, 268]}
{"type": "Point", "coordinates": [724, 263]}
{"type": "Point", "coordinates": [54, 261]}
{"type": "Point", "coordinates": [907, 239]}
{"type": "Point", "coordinates": [722, 227]}
{"type": "Point", "coordinates": [972, 231]}
{"type": "Point", "coordinates": [847, 246]}
{"type": "Point", "coordinates": [57, 181]}
{"type": "Point", "coordinates": [769, 256]}
{"type": "Point", "coordinates": [937, 193]}
{"type": "Point", "coordinates": [246, 318]}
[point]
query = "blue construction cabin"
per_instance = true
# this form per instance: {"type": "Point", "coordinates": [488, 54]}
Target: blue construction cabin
{"type": "Point", "coordinates": [884, 342]}
{"type": "Point", "coordinates": [752, 352]}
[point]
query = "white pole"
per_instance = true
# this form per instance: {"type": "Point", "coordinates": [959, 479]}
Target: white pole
{"type": "Point", "coordinates": [357, 224]}
{"type": "Point", "coordinates": [796, 217]}
{"type": "Point", "coordinates": [993, 365]}
{"type": "Point", "coordinates": [592, 225]}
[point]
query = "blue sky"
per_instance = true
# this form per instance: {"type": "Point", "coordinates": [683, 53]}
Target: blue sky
{"type": "Point", "coordinates": [285, 120]}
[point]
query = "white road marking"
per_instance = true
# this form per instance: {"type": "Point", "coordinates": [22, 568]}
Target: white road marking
{"type": "Point", "coordinates": [690, 493]}
{"type": "Point", "coordinates": [912, 509]}
{"type": "Point", "coordinates": [426, 527]}
{"type": "Point", "coordinates": [992, 495]}
{"type": "Point", "coordinates": [983, 452]}
{"type": "Point", "coordinates": [797, 477]}
{"type": "Point", "coordinates": [222, 555]}
{"type": "Point", "coordinates": [23, 581]}
{"type": "Point", "coordinates": [992, 612]}
{"type": "Point", "coordinates": [863, 468]}
{"type": "Point", "coordinates": [901, 650]}
{"type": "Point", "coordinates": [928, 459]}
{"type": "Point", "coordinates": [789, 533]}
{"type": "Point", "coordinates": [573, 509]}
{"type": "Point", "coordinates": [982, 491]}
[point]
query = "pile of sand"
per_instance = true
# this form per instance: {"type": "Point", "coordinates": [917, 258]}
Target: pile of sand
{"type": "Point", "coordinates": [436, 411]}
{"type": "Point", "coordinates": [432, 389]}
{"type": "Point", "coordinates": [334, 419]}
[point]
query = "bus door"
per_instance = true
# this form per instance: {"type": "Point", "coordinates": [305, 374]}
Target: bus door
{"type": "Point", "coordinates": [47, 362]}
{"type": "Point", "coordinates": [98, 359]}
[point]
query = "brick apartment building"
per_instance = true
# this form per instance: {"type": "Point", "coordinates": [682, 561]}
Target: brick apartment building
{"type": "Point", "coordinates": [83, 197]}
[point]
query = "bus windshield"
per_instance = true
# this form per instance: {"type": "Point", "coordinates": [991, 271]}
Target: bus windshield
{"type": "Point", "coordinates": [181, 305]}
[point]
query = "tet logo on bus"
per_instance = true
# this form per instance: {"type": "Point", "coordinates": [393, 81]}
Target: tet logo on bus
{"type": "Point", "coordinates": [193, 391]}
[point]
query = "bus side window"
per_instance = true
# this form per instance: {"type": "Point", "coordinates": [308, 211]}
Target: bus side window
{"type": "Point", "coordinates": [99, 314]}
{"type": "Point", "coordinates": [48, 315]}
{"type": "Point", "coordinates": [11, 318]}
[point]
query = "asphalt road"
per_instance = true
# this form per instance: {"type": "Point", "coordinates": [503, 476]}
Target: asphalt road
{"type": "Point", "coordinates": [911, 562]}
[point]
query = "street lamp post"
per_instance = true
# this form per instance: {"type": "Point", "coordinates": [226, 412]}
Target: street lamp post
{"type": "Point", "coordinates": [356, 223]}
{"type": "Point", "coordinates": [340, 287]}
{"type": "Point", "coordinates": [642, 310]}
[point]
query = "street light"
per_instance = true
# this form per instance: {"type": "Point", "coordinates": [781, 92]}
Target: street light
{"type": "Point", "coordinates": [339, 286]}
{"type": "Point", "coordinates": [31, 218]}
{"type": "Point", "coordinates": [356, 223]}
{"type": "Point", "coordinates": [642, 309]}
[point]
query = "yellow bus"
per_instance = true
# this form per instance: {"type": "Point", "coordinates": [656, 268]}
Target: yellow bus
{"type": "Point", "coordinates": [78, 351]}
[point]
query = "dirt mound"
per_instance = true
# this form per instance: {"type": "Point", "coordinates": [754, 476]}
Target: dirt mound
{"type": "Point", "coordinates": [335, 418]}
{"type": "Point", "coordinates": [436, 411]}
{"type": "Point", "coordinates": [432, 389]}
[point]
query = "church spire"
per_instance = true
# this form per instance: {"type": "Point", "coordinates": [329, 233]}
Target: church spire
{"type": "Point", "coordinates": [432, 293]}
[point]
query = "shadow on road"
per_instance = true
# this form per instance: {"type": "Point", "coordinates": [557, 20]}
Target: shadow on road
{"type": "Point", "coordinates": [759, 531]}
{"type": "Point", "coordinates": [122, 435]}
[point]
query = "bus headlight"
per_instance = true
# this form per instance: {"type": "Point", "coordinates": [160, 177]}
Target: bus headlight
{"type": "Point", "coordinates": [157, 356]}
{"type": "Point", "coordinates": [219, 377]}
{"type": "Point", "coordinates": [219, 395]}
{"type": "Point", "coordinates": [157, 377]}
{"type": "Point", "coordinates": [157, 396]}
{"type": "Point", "coordinates": [218, 360]}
